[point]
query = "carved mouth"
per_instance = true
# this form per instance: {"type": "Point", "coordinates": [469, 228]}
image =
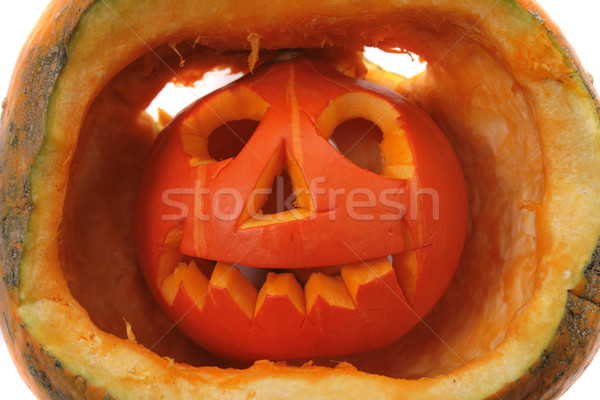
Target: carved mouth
{"type": "Point", "coordinates": [325, 282]}
{"type": "Point", "coordinates": [252, 309]}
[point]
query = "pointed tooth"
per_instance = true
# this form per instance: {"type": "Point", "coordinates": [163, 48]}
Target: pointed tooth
{"type": "Point", "coordinates": [170, 285]}
{"type": "Point", "coordinates": [330, 288]}
{"type": "Point", "coordinates": [167, 262]}
{"type": "Point", "coordinates": [229, 277]}
{"type": "Point", "coordinates": [171, 255]}
{"type": "Point", "coordinates": [407, 271]}
{"type": "Point", "coordinates": [193, 280]}
{"type": "Point", "coordinates": [359, 274]}
{"type": "Point", "coordinates": [407, 267]}
{"type": "Point", "coordinates": [284, 284]}
{"type": "Point", "coordinates": [195, 284]}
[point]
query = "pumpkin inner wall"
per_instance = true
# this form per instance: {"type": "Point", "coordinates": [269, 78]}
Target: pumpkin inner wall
{"type": "Point", "coordinates": [486, 117]}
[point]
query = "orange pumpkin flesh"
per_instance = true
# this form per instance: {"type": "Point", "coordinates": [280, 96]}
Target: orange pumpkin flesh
{"type": "Point", "coordinates": [504, 315]}
{"type": "Point", "coordinates": [219, 217]}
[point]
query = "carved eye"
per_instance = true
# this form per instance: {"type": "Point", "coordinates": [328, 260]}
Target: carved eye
{"type": "Point", "coordinates": [230, 138]}
{"type": "Point", "coordinates": [359, 141]}
{"type": "Point", "coordinates": [219, 127]}
{"type": "Point", "coordinates": [348, 122]}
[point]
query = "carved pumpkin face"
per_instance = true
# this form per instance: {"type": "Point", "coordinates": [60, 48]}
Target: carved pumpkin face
{"type": "Point", "coordinates": [352, 254]}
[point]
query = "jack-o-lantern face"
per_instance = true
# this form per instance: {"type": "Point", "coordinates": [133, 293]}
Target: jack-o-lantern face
{"type": "Point", "coordinates": [351, 254]}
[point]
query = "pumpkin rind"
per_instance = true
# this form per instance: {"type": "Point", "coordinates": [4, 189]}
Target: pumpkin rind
{"type": "Point", "coordinates": [23, 126]}
{"type": "Point", "coordinates": [39, 65]}
{"type": "Point", "coordinates": [576, 342]}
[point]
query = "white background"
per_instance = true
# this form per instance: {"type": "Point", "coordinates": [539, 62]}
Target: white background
{"type": "Point", "coordinates": [577, 18]}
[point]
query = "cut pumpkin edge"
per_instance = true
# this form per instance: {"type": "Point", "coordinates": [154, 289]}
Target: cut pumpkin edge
{"type": "Point", "coordinates": [44, 314]}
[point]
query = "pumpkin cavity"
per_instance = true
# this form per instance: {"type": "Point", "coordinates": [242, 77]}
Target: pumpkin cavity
{"type": "Point", "coordinates": [404, 358]}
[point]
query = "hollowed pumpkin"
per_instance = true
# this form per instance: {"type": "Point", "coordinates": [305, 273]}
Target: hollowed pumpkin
{"type": "Point", "coordinates": [520, 317]}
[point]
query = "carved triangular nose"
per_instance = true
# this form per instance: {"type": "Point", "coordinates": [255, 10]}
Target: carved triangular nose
{"type": "Point", "coordinates": [334, 202]}
{"type": "Point", "coordinates": [281, 194]}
